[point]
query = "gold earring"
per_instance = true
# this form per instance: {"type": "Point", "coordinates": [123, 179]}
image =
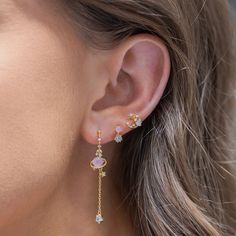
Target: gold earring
{"type": "Point", "coordinates": [98, 163]}
{"type": "Point", "coordinates": [118, 138]}
{"type": "Point", "coordinates": [134, 121]}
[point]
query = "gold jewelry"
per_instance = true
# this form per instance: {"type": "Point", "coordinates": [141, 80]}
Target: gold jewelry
{"type": "Point", "coordinates": [98, 163]}
{"type": "Point", "coordinates": [134, 121]}
{"type": "Point", "coordinates": [118, 138]}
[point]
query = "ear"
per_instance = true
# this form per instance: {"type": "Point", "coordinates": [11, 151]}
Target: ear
{"type": "Point", "coordinates": [129, 78]}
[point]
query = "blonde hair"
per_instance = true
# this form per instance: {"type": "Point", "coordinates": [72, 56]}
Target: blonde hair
{"type": "Point", "coordinates": [176, 171]}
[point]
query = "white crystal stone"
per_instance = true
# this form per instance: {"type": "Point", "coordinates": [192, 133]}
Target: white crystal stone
{"type": "Point", "coordinates": [118, 138]}
{"type": "Point", "coordinates": [99, 218]}
{"type": "Point", "coordinates": [103, 174]}
{"type": "Point", "coordinates": [139, 122]}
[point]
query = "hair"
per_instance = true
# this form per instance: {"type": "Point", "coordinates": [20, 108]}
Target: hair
{"type": "Point", "coordinates": [177, 169]}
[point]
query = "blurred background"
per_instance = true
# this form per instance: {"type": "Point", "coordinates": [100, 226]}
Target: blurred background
{"type": "Point", "coordinates": [233, 3]}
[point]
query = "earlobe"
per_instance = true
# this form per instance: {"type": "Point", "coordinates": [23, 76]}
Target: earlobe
{"type": "Point", "coordinates": [138, 71]}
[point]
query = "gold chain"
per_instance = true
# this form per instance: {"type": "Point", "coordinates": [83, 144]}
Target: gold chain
{"type": "Point", "coordinates": [100, 191]}
{"type": "Point", "coordinates": [99, 176]}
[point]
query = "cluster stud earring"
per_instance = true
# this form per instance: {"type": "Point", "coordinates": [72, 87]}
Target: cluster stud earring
{"type": "Point", "coordinates": [134, 121]}
{"type": "Point", "coordinates": [98, 163]}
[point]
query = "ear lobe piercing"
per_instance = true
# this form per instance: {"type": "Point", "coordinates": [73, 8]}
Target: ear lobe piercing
{"type": "Point", "coordinates": [98, 162]}
{"type": "Point", "coordinates": [134, 121]}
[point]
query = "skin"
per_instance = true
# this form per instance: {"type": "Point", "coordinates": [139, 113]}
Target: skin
{"type": "Point", "coordinates": [55, 93]}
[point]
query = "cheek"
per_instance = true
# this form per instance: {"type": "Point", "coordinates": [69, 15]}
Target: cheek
{"type": "Point", "coordinates": [39, 117]}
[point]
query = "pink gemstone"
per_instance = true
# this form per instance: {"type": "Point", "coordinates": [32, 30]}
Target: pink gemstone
{"type": "Point", "coordinates": [98, 162]}
{"type": "Point", "coordinates": [130, 122]}
{"type": "Point", "coordinates": [118, 129]}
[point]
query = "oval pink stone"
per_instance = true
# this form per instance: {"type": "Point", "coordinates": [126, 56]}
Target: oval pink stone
{"type": "Point", "coordinates": [98, 162]}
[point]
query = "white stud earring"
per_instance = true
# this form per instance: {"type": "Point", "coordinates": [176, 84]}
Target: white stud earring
{"type": "Point", "coordinates": [118, 138]}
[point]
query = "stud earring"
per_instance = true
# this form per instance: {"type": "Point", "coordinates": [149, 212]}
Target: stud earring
{"type": "Point", "coordinates": [134, 121]}
{"type": "Point", "coordinates": [118, 138]}
{"type": "Point", "coordinates": [98, 163]}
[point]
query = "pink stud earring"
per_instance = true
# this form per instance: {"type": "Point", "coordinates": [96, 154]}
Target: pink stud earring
{"type": "Point", "coordinates": [98, 163]}
{"type": "Point", "coordinates": [118, 138]}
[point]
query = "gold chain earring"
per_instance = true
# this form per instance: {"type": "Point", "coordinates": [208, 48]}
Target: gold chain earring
{"type": "Point", "coordinates": [134, 121]}
{"type": "Point", "coordinates": [98, 163]}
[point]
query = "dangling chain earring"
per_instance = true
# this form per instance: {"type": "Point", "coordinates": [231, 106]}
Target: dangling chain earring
{"type": "Point", "coordinates": [98, 163]}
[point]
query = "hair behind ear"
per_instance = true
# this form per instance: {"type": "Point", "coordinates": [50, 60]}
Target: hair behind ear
{"type": "Point", "coordinates": [172, 166]}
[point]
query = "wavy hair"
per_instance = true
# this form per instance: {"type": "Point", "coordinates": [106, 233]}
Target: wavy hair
{"type": "Point", "coordinates": [177, 175]}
